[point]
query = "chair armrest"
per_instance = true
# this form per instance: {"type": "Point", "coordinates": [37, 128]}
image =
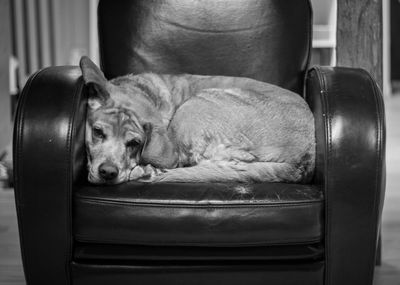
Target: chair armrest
{"type": "Point", "coordinates": [350, 166]}
{"type": "Point", "coordinates": [49, 156]}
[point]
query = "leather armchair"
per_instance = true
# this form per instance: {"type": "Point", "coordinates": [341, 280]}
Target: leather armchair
{"type": "Point", "coordinates": [325, 232]}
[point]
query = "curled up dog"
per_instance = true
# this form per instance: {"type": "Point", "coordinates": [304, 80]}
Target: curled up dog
{"type": "Point", "coordinates": [190, 128]}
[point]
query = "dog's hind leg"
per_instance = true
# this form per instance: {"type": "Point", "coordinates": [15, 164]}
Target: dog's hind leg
{"type": "Point", "coordinates": [231, 171]}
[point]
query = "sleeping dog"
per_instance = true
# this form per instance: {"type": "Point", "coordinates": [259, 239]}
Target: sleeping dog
{"type": "Point", "coordinates": [190, 128]}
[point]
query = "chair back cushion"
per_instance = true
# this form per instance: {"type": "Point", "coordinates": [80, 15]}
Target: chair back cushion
{"type": "Point", "coordinates": [267, 40]}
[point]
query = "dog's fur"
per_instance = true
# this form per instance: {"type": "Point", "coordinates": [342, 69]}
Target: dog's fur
{"type": "Point", "coordinates": [190, 128]}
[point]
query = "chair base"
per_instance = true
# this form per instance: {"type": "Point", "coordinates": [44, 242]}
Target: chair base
{"type": "Point", "coordinates": [199, 273]}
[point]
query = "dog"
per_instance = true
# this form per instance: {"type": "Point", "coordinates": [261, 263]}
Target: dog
{"type": "Point", "coordinates": [193, 128]}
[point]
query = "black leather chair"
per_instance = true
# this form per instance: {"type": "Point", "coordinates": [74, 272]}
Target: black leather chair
{"type": "Point", "coordinates": [322, 233]}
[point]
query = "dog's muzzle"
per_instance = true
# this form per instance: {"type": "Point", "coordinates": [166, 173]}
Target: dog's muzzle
{"type": "Point", "coordinates": [108, 171]}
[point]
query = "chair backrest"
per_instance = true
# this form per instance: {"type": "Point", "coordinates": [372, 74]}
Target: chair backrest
{"type": "Point", "coordinates": [268, 40]}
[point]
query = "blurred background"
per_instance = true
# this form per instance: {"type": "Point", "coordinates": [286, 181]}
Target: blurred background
{"type": "Point", "coordinates": [40, 33]}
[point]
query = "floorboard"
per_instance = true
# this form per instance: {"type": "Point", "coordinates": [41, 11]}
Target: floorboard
{"type": "Point", "coordinates": [11, 272]}
{"type": "Point", "coordinates": [389, 272]}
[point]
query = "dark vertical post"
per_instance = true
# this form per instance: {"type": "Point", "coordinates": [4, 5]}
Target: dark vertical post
{"type": "Point", "coordinates": [5, 105]}
{"type": "Point", "coordinates": [395, 42]}
{"type": "Point", "coordinates": [359, 35]}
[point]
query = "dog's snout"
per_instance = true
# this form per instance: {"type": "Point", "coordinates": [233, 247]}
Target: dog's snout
{"type": "Point", "coordinates": [108, 171]}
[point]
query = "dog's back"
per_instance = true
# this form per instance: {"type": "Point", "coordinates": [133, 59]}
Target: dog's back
{"type": "Point", "coordinates": [268, 127]}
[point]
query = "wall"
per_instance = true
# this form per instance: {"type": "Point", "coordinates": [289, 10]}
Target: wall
{"type": "Point", "coordinates": [324, 32]}
{"type": "Point", "coordinates": [48, 33]}
{"type": "Point", "coordinates": [71, 30]}
{"type": "Point", "coordinates": [5, 116]}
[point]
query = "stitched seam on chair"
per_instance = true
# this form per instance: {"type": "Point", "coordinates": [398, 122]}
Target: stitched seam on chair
{"type": "Point", "coordinates": [329, 215]}
{"type": "Point", "coordinates": [18, 171]}
{"type": "Point", "coordinates": [211, 206]}
{"type": "Point", "coordinates": [329, 209]}
{"type": "Point", "coordinates": [377, 150]}
{"type": "Point", "coordinates": [69, 174]}
{"type": "Point", "coordinates": [293, 241]}
{"type": "Point", "coordinates": [255, 203]}
{"type": "Point", "coordinates": [328, 153]}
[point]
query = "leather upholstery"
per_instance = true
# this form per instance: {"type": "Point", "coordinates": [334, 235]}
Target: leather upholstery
{"type": "Point", "coordinates": [56, 208]}
{"type": "Point", "coordinates": [88, 252]}
{"type": "Point", "coordinates": [267, 40]}
{"type": "Point", "coordinates": [48, 158]}
{"type": "Point", "coordinates": [350, 134]}
{"type": "Point", "coordinates": [199, 273]}
{"type": "Point", "coordinates": [198, 215]}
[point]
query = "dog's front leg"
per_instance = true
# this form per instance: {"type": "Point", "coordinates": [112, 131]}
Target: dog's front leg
{"type": "Point", "coordinates": [145, 173]}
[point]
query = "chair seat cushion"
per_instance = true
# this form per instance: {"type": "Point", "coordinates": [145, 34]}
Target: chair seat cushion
{"type": "Point", "coordinates": [198, 214]}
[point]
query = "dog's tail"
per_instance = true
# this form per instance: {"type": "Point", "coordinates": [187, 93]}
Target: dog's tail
{"type": "Point", "coordinates": [209, 171]}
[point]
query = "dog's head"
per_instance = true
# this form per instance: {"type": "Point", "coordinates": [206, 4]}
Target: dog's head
{"type": "Point", "coordinates": [115, 138]}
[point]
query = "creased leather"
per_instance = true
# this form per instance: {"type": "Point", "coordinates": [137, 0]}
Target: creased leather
{"type": "Point", "coordinates": [199, 214]}
{"type": "Point", "coordinates": [350, 133]}
{"type": "Point", "coordinates": [90, 252]}
{"type": "Point", "coordinates": [267, 40]}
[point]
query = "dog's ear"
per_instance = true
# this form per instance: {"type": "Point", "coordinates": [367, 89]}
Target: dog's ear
{"type": "Point", "coordinates": [158, 150]}
{"type": "Point", "coordinates": [95, 83]}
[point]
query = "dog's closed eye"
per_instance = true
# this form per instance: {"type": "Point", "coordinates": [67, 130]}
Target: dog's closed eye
{"type": "Point", "coordinates": [98, 133]}
{"type": "Point", "coordinates": [133, 143]}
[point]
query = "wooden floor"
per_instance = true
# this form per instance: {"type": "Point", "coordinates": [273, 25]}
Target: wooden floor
{"type": "Point", "coordinates": [10, 257]}
{"type": "Point", "coordinates": [11, 272]}
{"type": "Point", "coordinates": [389, 272]}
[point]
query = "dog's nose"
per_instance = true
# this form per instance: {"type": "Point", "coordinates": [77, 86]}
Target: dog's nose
{"type": "Point", "coordinates": [108, 171]}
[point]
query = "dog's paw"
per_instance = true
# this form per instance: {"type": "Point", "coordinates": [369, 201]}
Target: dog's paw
{"type": "Point", "coordinates": [146, 173]}
{"type": "Point", "coordinates": [150, 173]}
{"type": "Point", "coordinates": [136, 173]}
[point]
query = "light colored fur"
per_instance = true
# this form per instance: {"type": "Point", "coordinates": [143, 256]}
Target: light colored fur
{"type": "Point", "coordinates": [231, 171]}
{"type": "Point", "coordinates": [202, 129]}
